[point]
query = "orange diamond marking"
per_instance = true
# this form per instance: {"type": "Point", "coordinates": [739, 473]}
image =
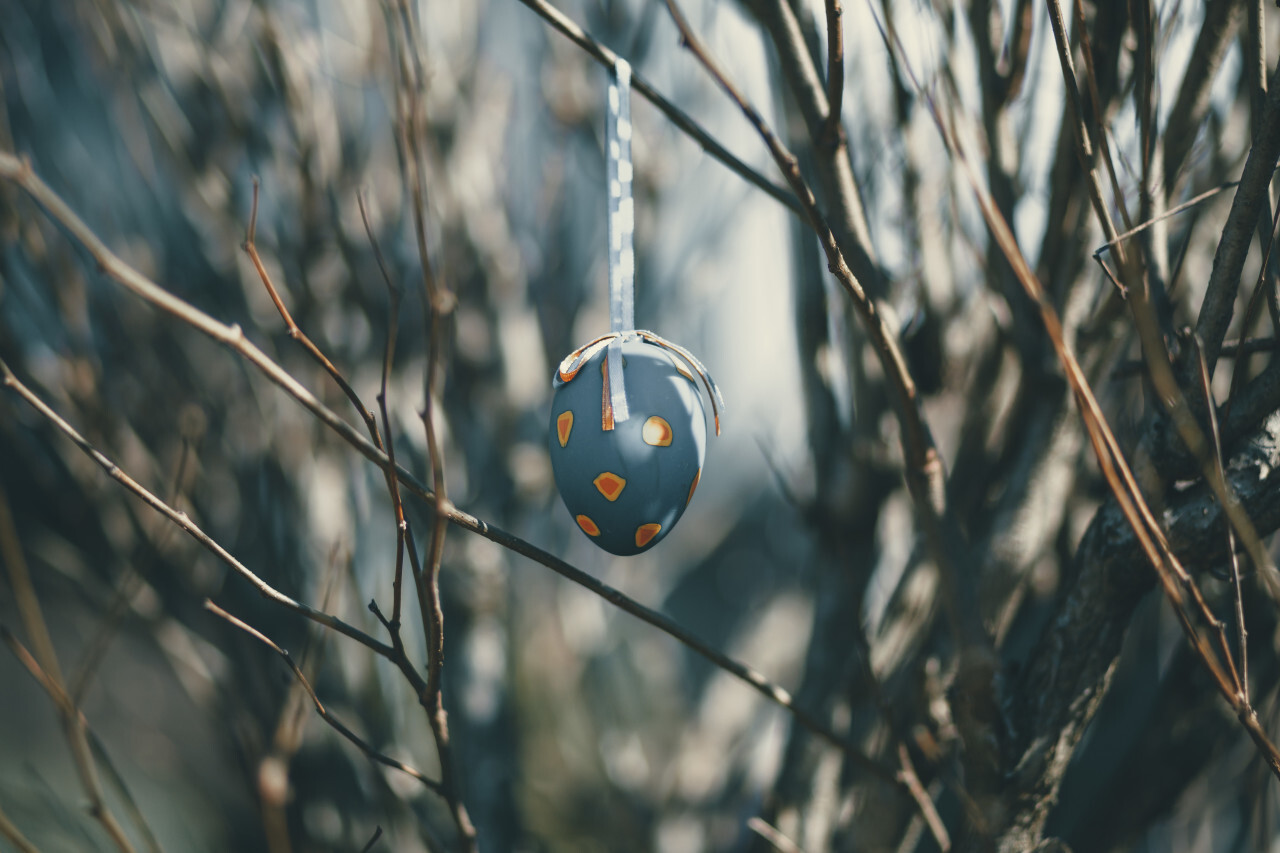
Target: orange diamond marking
{"type": "Point", "coordinates": [588, 526]}
{"type": "Point", "coordinates": [645, 534]}
{"type": "Point", "coordinates": [656, 432]}
{"type": "Point", "coordinates": [564, 423]}
{"type": "Point", "coordinates": [696, 478]}
{"type": "Point", "coordinates": [610, 485]}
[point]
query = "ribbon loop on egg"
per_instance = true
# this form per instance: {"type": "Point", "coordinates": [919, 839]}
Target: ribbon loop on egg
{"type": "Point", "coordinates": [573, 362]}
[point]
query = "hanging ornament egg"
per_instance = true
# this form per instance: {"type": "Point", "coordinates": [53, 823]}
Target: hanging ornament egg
{"type": "Point", "coordinates": [626, 486]}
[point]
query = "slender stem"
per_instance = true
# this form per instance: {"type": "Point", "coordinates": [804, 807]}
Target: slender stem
{"type": "Point", "coordinates": [1099, 127]}
{"type": "Point", "coordinates": [14, 836]}
{"type": "Point", "coordinates": [1242, 633]}
{"type": "Point", "coordinates": [394, 297]}
{"type": "Point", "coordinates": [835, 72]}
{"type": "Point", "coordinates": [324, 713]}
{"type": "Point", "coordinates": [1173, 211]}
{"type": "Point", "coordinates": [1228, 261]}
{"type": "Point", "coordinates": [377, 833]}
{"type": "Point", "coordinates": [678, 117]}
{"type": "Point", "coordinates": [438, 305]}
{"type": "Point", "coordinates": [773, 835]}
{"type": "Point", "coordinates": [184, 522]}
{"type": "Point", "coordinates": [925, 803]}
{"type": "Point", "coordinates": [74, 727]}
{"type": "Point", "coordinates": [295, 332]}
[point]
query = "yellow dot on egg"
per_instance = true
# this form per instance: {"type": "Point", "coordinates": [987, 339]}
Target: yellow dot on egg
{"type": "Point", "coordinates": [656, 432]}
{"type": "Point", "coordinates": [588, 526]}
{"type": "Point", "coordinates": [696, 478]}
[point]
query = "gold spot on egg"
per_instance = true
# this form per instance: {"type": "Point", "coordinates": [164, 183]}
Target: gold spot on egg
{"type": "Point", "coordinates": [645, 534]}
{"type": "Point", "coordinates": [656, 432]}
{"type": "Point", "coordinates": [610, 485]}
{"type": "Point", "coordinates": [564, 424]}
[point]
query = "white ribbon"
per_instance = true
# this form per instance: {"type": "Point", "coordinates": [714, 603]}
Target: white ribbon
{"type": "Point", "coordinates": [621, 228]}
{"type": "Point", "coordinates": [622, 270]}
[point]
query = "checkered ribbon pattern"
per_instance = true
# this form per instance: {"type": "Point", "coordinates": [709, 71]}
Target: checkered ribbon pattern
{"type": "Point", "coordinates": [622, 270]}
{"type": "Point", "coordinates": [621, 231]}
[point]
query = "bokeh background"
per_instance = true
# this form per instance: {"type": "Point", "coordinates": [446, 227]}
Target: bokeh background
{"type": "Point", "coordinates": [576, 727]}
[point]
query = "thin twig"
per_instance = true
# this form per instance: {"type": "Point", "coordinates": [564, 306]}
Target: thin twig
{"type": "Point", "coordinates": [1249, 346]}
{"type": "Point", "coordinates": [843, 212]}
{"type": "Point", "coordinates": [394, 296]}
{"type": "Point", "coordinates": [232, 336]}
{"type": "Point", "coordinates": [14, 836]}
{"type": "Point", "coordinates": [1238, 370]}
{"type": "Point", "coordinates": [1215, 438]}
{"type": "Point", "coordinates": [130, 803]}
{"type": "Point", "coordinates": [295, 332]}
{"type": "Point", "coordinates": [44, 666]}
{"type": "Point", "coordinates": [126, 588]}
{"type": "Point", "coordinates": [1173, 211]}
{"type": "Point", "coordinates": [273, 767]}
{"type": "Point", "coordinates": [907, 773]}
{"type": "Point", "coordinates": [1099, 127]}
{"type": "Point", "coordinates": [679, 118]}
{"type": "Point", "coordinates": [437, 306]}
{"type": "Point", "coordinates": [75, 727]}
{"type": "Point", "coordinates": [773, 835]}
{"type": "Point", "coordinates": [334, 722]}
{"type": "Point", "coordinates": [1233, 247]}
{"type": "Point", "coordinates": [377, 833]}
{"type": "Point", "coordinates": [184, 521]}
{"type": "Point", "coordinates": [835, 72]}
{"type": "Point", "coordinates": [393, 304]}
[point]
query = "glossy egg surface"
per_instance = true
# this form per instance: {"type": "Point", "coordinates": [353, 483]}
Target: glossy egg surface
{"type": "Point", "coordinates": [627, 487]}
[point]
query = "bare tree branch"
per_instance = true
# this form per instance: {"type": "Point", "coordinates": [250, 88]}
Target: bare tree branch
{"type": "Point", "coordinates": [1248, 204]}
{"type": "Point", "coordinates": [678, 117]}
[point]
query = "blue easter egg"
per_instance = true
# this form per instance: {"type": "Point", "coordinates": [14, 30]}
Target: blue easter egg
{"type": "Point", "coordinates": [627, 487]}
